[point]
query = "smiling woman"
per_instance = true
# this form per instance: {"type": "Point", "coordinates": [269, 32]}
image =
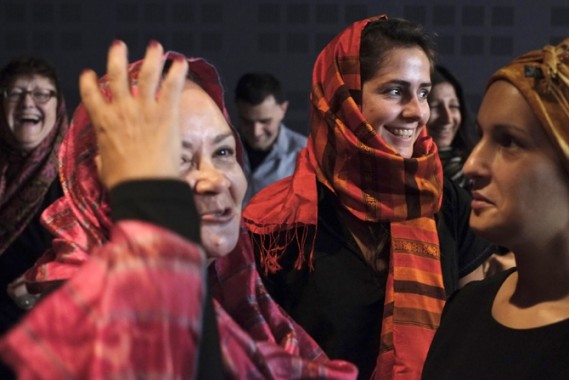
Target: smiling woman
{"type": "Point", "coordinates": [33, 122]}
{"type": "Point", "coordinates": [365, 241]}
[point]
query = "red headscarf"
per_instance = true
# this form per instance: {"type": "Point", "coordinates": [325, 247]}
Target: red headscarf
{"type": "Point", "coordinates": [374, 183]}
{"type": "Point", "coordinates": [26, 177]}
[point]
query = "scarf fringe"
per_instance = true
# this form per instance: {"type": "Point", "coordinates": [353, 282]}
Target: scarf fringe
{"type": "Point", "coordinates": [272, 244]}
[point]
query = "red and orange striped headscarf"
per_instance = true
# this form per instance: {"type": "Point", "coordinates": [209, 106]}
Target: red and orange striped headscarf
{"type": "Point", "coordinates": [374, 183]}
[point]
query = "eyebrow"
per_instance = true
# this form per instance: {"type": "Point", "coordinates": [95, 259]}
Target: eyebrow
{"type": "Point", "coordinates": [408, 84]}
{"type": "Point", "coordinates": [217, 139]}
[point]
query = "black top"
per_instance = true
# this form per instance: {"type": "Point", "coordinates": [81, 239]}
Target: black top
{"type": "Point", "coordinates": [22, 255]}
{"type": "Point", "coordinates": [340, 303]}
{"type": "Point", "coordinates": [471, 344]}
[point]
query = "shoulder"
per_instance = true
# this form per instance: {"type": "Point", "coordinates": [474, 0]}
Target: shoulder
{"type": "Point", "coordinates": [293, 138]}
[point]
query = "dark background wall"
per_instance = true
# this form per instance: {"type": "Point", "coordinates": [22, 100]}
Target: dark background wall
{"type": "Point", "coordinates": [475, 37]}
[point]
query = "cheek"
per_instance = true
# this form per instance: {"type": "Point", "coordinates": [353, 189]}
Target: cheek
{"type": "Point", "coordinates": [50, 114]}
{"type": "Point", "coordinates": [238, 185]}
{"type": "Point", "coordinates": [426, 112]}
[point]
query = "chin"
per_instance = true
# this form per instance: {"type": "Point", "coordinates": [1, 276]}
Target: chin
{"type": "Point", "coordinates": [219, 245]}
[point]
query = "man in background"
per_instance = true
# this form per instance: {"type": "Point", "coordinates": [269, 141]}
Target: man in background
{"type": "Point", "coordinates": [271, 148]}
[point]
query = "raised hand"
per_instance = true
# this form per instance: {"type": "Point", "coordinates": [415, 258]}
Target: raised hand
{"type": "Point", "coordinates": [137, 133]}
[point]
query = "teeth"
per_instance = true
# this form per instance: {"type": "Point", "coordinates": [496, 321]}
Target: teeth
{"type": "Point", "coordinates": [402, 132]}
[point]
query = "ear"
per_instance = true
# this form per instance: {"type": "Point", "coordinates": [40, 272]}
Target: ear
{"type": "Point", "coordinates": [284, 106]}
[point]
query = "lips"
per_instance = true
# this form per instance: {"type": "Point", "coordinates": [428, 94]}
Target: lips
{"type": "Point", "coordinates": [32, 119]}
{"type": "Point", "coordinates": [218, 215]}
{"type": "Point", "coordinates": [479, 201]}
{"type": "Point", "coordinates": [405, 133]}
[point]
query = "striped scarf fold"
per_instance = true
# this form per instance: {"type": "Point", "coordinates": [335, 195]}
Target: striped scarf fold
{"type": "Point", "coordinates": [373, 183]}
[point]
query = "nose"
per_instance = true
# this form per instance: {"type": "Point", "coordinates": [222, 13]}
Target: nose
{"type": "Point", "coordinates": [207, 179]}
{"type": "Point", "coordinates": [259, 130]}
{"type": "Point", "coordinates": [445, 114]}
{"type": "Point", "coordinates": [27, 100]}
{"type": "Point", "coordinates": [416, 109]}
{"type": "Point", "coordinates": [477, 165]}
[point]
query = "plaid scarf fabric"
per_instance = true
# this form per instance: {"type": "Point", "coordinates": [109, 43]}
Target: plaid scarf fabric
{"type": "Point", "coordinates": [542, 77]}
{"type": "Point", "coordinates": [375, 184]}
{"type": "Point", "coordinates": [25, 178]}
{"type": "Point", "coordinates": [134, 311]}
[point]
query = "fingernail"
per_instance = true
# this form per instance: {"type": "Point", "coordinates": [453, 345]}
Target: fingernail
{"type": "Point", "coordinates": [153, 44]}
{"type": "Point", "coordinates": [116, 42]}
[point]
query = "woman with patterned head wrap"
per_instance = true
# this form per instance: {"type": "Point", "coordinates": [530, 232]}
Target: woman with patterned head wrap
{"type": "Point", "coordinates": [515, 325]}
{"type": "Point", "coordinates": [350, 245]}
{"type": "Point", "coordinates": [137, 304]}
{"type": "Point", "coordinates": [33, 121]}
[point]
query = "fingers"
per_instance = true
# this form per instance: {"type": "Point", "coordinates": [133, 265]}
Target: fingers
{"type": "Point", "coordinates": [173, 85]}
{"type": "Point", "coordinates": [151, 71]}
{"type": "Point", "coordinates": [91, 95]}
{"type": "Point", "coordinates": [117, 70]}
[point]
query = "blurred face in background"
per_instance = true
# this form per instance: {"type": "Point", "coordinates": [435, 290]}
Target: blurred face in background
{"type": "Point", "coordinates": [30, 105]}
{"type": "Point", "coordinates": [445, 114]}
{"type": "Point", "coordinates": [259, 124]}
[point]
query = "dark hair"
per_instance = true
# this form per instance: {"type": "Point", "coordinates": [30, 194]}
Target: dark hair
{"type": "Point", "coordinates": [254, 88]}
{"type": "Point", "coordinates": [28, 65]}
{"type": "Point", "coordinates": [381, 36]}
{"type": "Point", "coordinates": [465, 138]}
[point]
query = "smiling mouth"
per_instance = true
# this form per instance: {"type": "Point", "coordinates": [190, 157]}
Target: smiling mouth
{"type": "Point", "coordinates": [404, 133]}
{"type": "Point", "coordinates": [217, 216]}
{"type": "Point", "coordinates": [29, 120]}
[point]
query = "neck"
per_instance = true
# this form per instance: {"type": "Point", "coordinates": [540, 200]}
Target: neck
{"type": "Point", "coordinates": [543, 271]}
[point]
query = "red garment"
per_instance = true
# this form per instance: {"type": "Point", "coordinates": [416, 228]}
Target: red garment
{"type": "Point", "coordinates": [375, 184]}
{"type": "Point", "coordinates": [133, 305]}
{"type": "Point", "coordinates": [134, 310]}
{"type": "Point", "coordinates": [25, 178]}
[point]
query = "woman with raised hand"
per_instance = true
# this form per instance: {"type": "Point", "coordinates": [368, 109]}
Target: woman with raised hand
{"type": "Point", "coordinates": [515, 325]}
{"type": "Point", "coordinates": [137, 302]}
{"type": "Point", "coordinates": [363, 243]}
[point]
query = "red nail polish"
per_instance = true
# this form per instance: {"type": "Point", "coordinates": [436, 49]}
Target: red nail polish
{"type": "Point", "coordinates": [153, 44]}
{"type": "Point", "coordinates": [116, 42]}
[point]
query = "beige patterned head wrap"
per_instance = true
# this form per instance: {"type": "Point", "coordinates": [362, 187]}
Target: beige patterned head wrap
{"type": "Point", "coordinates": [542, 76]}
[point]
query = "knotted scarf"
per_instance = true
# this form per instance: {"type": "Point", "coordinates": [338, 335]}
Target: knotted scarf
{"type": "Point", "coordinates": [542, 77]}
{"type": "Point", "coordinates": [375, 184]}
{"type": "Point", "coordinates": [25, 177]}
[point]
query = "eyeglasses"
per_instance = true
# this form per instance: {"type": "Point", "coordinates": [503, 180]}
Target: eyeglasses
{"type": "Point", "coordinates": [39, 96]}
